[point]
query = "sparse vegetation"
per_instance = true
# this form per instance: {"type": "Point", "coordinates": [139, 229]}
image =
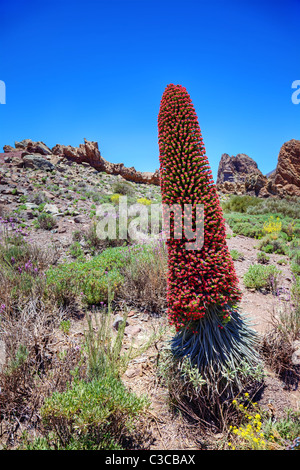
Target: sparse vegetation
{"type": "Point", "coordinates": [64, 355]}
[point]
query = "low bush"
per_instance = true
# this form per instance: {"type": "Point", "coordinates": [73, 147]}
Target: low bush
{"type": "Point", "coordinates": [123, 187]}
{"type": "Point", "coordinates": [94, 412]}
{"type": "Point", "coordinates": [92, 280]}
{"type": "Point", "coordinates": [46, 221]}
{"type": "Point", "coordinates": [76, 250]}
{"type": "Point", "coordinates": [134, 273]}
{"type": "Point", "coordinates": [242, 224]}
{"type": "Point", "coordinates": [257, 431]}
{"type": "Point", "coordinates": [259, 276]}
{"type": "Point", "coordinates": [262, 258]}
{"type": "Point", "coordinates": [241, 203]}
{"type": "Point", "coordinates": [236, 255]}
{"type": "Point", "coordinates": [287, 207]}
{"type": "Point", "coordinates": [270, 245]}
{"type": "Point", "coordinates": [90, 415]}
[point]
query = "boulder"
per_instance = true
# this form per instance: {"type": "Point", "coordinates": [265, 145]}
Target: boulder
{"type": "Point", "coordinates": [8, 148]}
{"type": "Point", "coordinates": [22, 144]}
{"type": "Point", "coordinates": [51, 209]}
{"type": "Point", "coordinates": [29, 147]}
{"type": "Point", "coordinates": [38, 162]}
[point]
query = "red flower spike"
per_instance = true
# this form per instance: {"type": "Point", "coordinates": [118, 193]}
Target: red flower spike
{"type": "Point", "coordinates": [198, 279]}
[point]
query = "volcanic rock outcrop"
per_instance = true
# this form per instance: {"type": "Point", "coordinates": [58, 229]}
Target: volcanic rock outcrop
{"type": "Point", "coordinates": [235, 169]}
{"type": "Point", "coordinates": [240, 174]}
{"type": "Point", "coordinates": [86, 153]}
{"type": "Point", "coordinates": [287, 173]}
{"type": "Point", "coordinates": [89, 153]}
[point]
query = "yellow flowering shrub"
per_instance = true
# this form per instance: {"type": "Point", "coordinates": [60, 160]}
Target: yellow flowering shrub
{"type": "Point", "coordinates": [273, 226]}
{"type": "Point", "coordinates": [249, 435]}
{"type": "Point", "coordinates": [115, 198]}
{"type": "Point", "coordinates": [144, 200]}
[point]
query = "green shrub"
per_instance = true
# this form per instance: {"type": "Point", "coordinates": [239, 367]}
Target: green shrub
{"type": "Point", "coordinates": [97, 411]}
{"type": "Point", "coordinates": [262, 258]}
{"type": "Point", "coordinates": [236, 255]}
{"type": "Point", "coordinates": [123, 187]}
{"type": "Point", "coordinates": [243, 224]}
{"type": "Point", "coordinates": [271, 245]}
{"type": "Point", "coordinates": [288, 207]}
{"type": "Point", "coordinates": [247, 229]}
{"type": "Point", "coordinates": [136, 273]}
{"type": "Point", "coordinates": [241, 203]}
{"type": "Point", "coordinates": [46, 221]}
{"type": "Point", "coordinates": [76, 250]}
{"type": "Point", "coordinates": [282, 261]}
{"type": "Point", "coordinates": [91, 279]}
{"type": "Point", "coordinates": [259, 276]}
{"type": "Point", "coordinates": [91, 415]}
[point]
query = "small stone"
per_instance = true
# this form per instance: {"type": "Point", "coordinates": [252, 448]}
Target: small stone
{"type": "Point", "coordinates": [117, 321]}
{"type": "Point", "coordinates": [132, 330]}
{"type": "Point", "coordinates": [133, 372]}
{"type": "Point", "coordinates": [79, 219]}
{"type": "Point", "coordinates": [51, 209]}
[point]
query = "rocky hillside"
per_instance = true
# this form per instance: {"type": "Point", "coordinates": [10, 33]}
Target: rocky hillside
{"type": "Point", "coordinates": [236, 174]}
{"type": "Point", "coordinates": [33, 154]}
{"type": "Point", "coordinates": [34, 184]}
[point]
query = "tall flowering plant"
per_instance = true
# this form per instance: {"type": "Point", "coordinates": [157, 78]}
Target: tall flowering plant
{"type": "Point", "coordinates": [203, 290]}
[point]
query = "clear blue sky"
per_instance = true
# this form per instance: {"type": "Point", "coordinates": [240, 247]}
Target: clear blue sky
{"type": "Point", "coordinates": [97, 70]}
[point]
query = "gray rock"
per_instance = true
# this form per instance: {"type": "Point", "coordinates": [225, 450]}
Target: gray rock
{"type": "Point", "coordinates": [37, 162]}
{"type": "Point", "coordinates": [79, 219]}
{"type": "Point", "coordinates": [117, 321]}
{"type": "Point", "coordinates": [31, 205]}
{"type": "Point", "coordinates": [23, 144]}
{"type": "Point", "coordinates": [51, 209]}
{"type": "Point", "coordinates": [42, 148]}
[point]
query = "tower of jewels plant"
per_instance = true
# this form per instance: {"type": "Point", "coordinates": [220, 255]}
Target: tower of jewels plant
{"type": "Point", "coordinates": [203, 292]}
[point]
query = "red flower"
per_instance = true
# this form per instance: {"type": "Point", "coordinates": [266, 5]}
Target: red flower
{"type": "Point", "coordinates": [197, 279]}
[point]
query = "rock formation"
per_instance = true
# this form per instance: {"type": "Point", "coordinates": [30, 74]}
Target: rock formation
{"type": "Point", "coordinates": [33, 153]}
{"type": "Point", "coordinates": [236, 174]}
{"type": "Point", "coordinates": [90, 153]}
{"type": "Point", "coordinates": [236, 169]}
{"type": "Point", "coordinates": [240, 174]}
{"type": "Point", "coordinates": [287, 173]}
